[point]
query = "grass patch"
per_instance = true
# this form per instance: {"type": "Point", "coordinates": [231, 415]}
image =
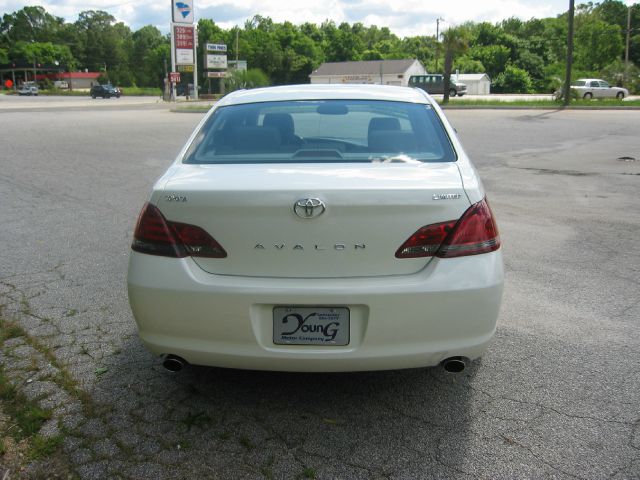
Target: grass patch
{"type": "Point", "coordinates": [554, 104]}
{"type": "Point", "coordinates": [140, 91]}
{"type": "Point", "coordinates": [21, 419]}
{"type": "Point", "coordinates": [62, 378]}
{"type": "Point", "coordinates": [133, 91]}
{"type": "Point", "coordinates": [64, 93]}
{"type": "Point", "coordinates": [308, 472]}
{"type": "Point", "coordinates": [44, 447]}
{"type": "Point", "coordinates": [246, 443]}
{"type": "Point", "coordinates": [192, 108]}
{"type": "Point", "coordinates": [267, 469]}
{"type": "Point", "coordinates": [26, 414]}
{"type": "Point", "coordinates": [9, 330]}
{"type": "Point", "coordinates": [196, 420]}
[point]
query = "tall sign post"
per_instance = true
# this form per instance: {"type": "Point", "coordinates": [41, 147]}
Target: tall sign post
{"type": "Point", "coordinates": [183, 43]}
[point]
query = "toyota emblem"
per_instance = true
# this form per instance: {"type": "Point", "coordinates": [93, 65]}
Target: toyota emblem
{"type": "Point", "coordinates": [309, 207]}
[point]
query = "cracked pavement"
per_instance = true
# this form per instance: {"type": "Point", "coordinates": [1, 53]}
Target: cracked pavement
{"type": "Point", "coordinates": [556, 396]}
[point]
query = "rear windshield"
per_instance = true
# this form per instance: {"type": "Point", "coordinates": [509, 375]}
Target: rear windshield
{"type": "Point", "coordinates": [322, 131]}
{"type": "Point", "coordinates": [579, 83]}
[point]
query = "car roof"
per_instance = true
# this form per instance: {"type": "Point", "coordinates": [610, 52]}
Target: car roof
{"type": "Point", "coordinates": [590, 79]}
{"type": "Point", "coordinates": [326, 92]}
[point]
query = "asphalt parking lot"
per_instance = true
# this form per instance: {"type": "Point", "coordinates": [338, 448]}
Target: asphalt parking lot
{"type": "Point", "coordinates": [556, 396]}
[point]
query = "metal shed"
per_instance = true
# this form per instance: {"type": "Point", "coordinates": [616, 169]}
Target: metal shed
{"type": "Point", "coordinates": [477, 83]}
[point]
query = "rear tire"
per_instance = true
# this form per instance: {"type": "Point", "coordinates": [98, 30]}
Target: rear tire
{"type": "Point", "coordinates": [620, 95]}
{"type": "Point", "coordinates": [93, 95]}
{"type": "Point", "coordinates": [588, 96]}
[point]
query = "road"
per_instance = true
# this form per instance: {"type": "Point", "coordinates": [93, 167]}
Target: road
{"type": "Point", "coordinates": [556, 396]}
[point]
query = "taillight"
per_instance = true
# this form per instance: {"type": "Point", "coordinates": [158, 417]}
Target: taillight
{"type": "Point", "coordinates": [474, 233]}
{"type": "Point", "coordinates": [197, 242]}
{"type": "Point", "coordinates": [156, 235]}
{"type": "Point", "coordinates": [426, 241]}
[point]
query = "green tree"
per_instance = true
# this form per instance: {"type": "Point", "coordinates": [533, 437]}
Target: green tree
{"type": "Point", "coordinates": [455, 42]}
{"type": "Point", "coordinates": [597, 43]}
{"type": "Point", "coordinates": [41, 53]}
{"type": "Point", "coordinates": [466, 64]}
{"type": "Point", "coordinates": [341, 43]}
{"type": "Point", "coordinates": [534, 65]}
{"type": "Point", "coordinates": [423, 48]}
{"type": "Point", "coordinates": [634, 49]}
{"type": "Point", "coordinates": [104, 45]}
{"type": "Point", "coordinates": [30, 24]}
{"type": "Point", "coordinates": [612, 12]}
{"type": "Point", "coordinates": [146, 65]}
{"type": "Point", "coordinates": [494, 58]}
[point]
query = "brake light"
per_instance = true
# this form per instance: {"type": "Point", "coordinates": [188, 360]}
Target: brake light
{"type": "Point", "coordinates": [426, 241]}
{"type": "Point", "coordinates": [474, 233]}
{"type": "Point", "coordinates": [197, 242]}
{"type": "Point", "coordinates": [155, 235]}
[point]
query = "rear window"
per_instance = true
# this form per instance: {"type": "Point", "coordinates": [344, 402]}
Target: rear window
{"type": "Point", "coordinates": [322, 131]}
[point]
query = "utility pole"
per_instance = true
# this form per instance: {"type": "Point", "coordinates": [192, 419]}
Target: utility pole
{"type": "Point", "coordinates": [438, 20]}
{"type": "Point", "coordinates": [626, 52]}
{"type": "Point", "coordinates": [567, 79]}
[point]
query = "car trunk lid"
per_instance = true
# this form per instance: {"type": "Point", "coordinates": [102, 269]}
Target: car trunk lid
{"type": "Point", "coordinates": [311, 220]}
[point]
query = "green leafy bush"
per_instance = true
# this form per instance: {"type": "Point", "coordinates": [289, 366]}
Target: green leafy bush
{"type": "Point", "coordinates": [513, 80]}
{"type": "Point", "coordinates": [252, 78]}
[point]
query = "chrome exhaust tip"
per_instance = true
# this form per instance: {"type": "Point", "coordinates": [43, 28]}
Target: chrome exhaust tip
{"type": "Point", "coordinates": [173, 363]}
{"type": "Point", "coordinates": [454, 364]}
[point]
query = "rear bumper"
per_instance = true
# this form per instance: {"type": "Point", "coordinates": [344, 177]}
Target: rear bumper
{"type": "Point", "coordinates": [448, 309]}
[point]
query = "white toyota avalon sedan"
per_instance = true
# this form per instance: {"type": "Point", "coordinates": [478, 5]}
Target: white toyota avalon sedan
{"type": "Point", "coordinates": [318, 228]}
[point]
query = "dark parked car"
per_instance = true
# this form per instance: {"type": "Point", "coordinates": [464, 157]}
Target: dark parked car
{"type": "Point", "coordinates": [105, 91]}
{"type": "Point", "coordinates": [434, 83]}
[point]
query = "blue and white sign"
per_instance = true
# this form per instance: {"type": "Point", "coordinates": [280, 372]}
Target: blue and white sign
{"type": "Point", "coordinates": [182, 11]}
{"type": "Point", "coordinates": [216, 47]}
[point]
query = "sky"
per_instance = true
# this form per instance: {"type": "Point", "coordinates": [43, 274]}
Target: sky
{"type": "Point", "coordinates": [402, 17]}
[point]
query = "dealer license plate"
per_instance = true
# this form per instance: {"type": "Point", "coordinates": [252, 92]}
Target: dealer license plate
{"type": "Point", "coordinates": [311, 326]}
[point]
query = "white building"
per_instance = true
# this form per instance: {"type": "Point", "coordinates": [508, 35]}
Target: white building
{"type": "Point", "coordinates": [477, 83]}
{"type": "Point", "coordinates": [381, 72]}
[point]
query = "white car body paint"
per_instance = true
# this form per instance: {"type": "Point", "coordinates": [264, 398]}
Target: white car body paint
{"type": "Point", "coordinates": [404, 313]}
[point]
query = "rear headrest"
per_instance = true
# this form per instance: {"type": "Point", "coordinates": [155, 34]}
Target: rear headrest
{"type": "Point", "coordinates": [383, 123]}
{"type": "Point", "coordinates": [281, 121]}
{"type": "Point", "coordinates": [390, 141]}
{"type": "Point", "coordinates": [256, 138]}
